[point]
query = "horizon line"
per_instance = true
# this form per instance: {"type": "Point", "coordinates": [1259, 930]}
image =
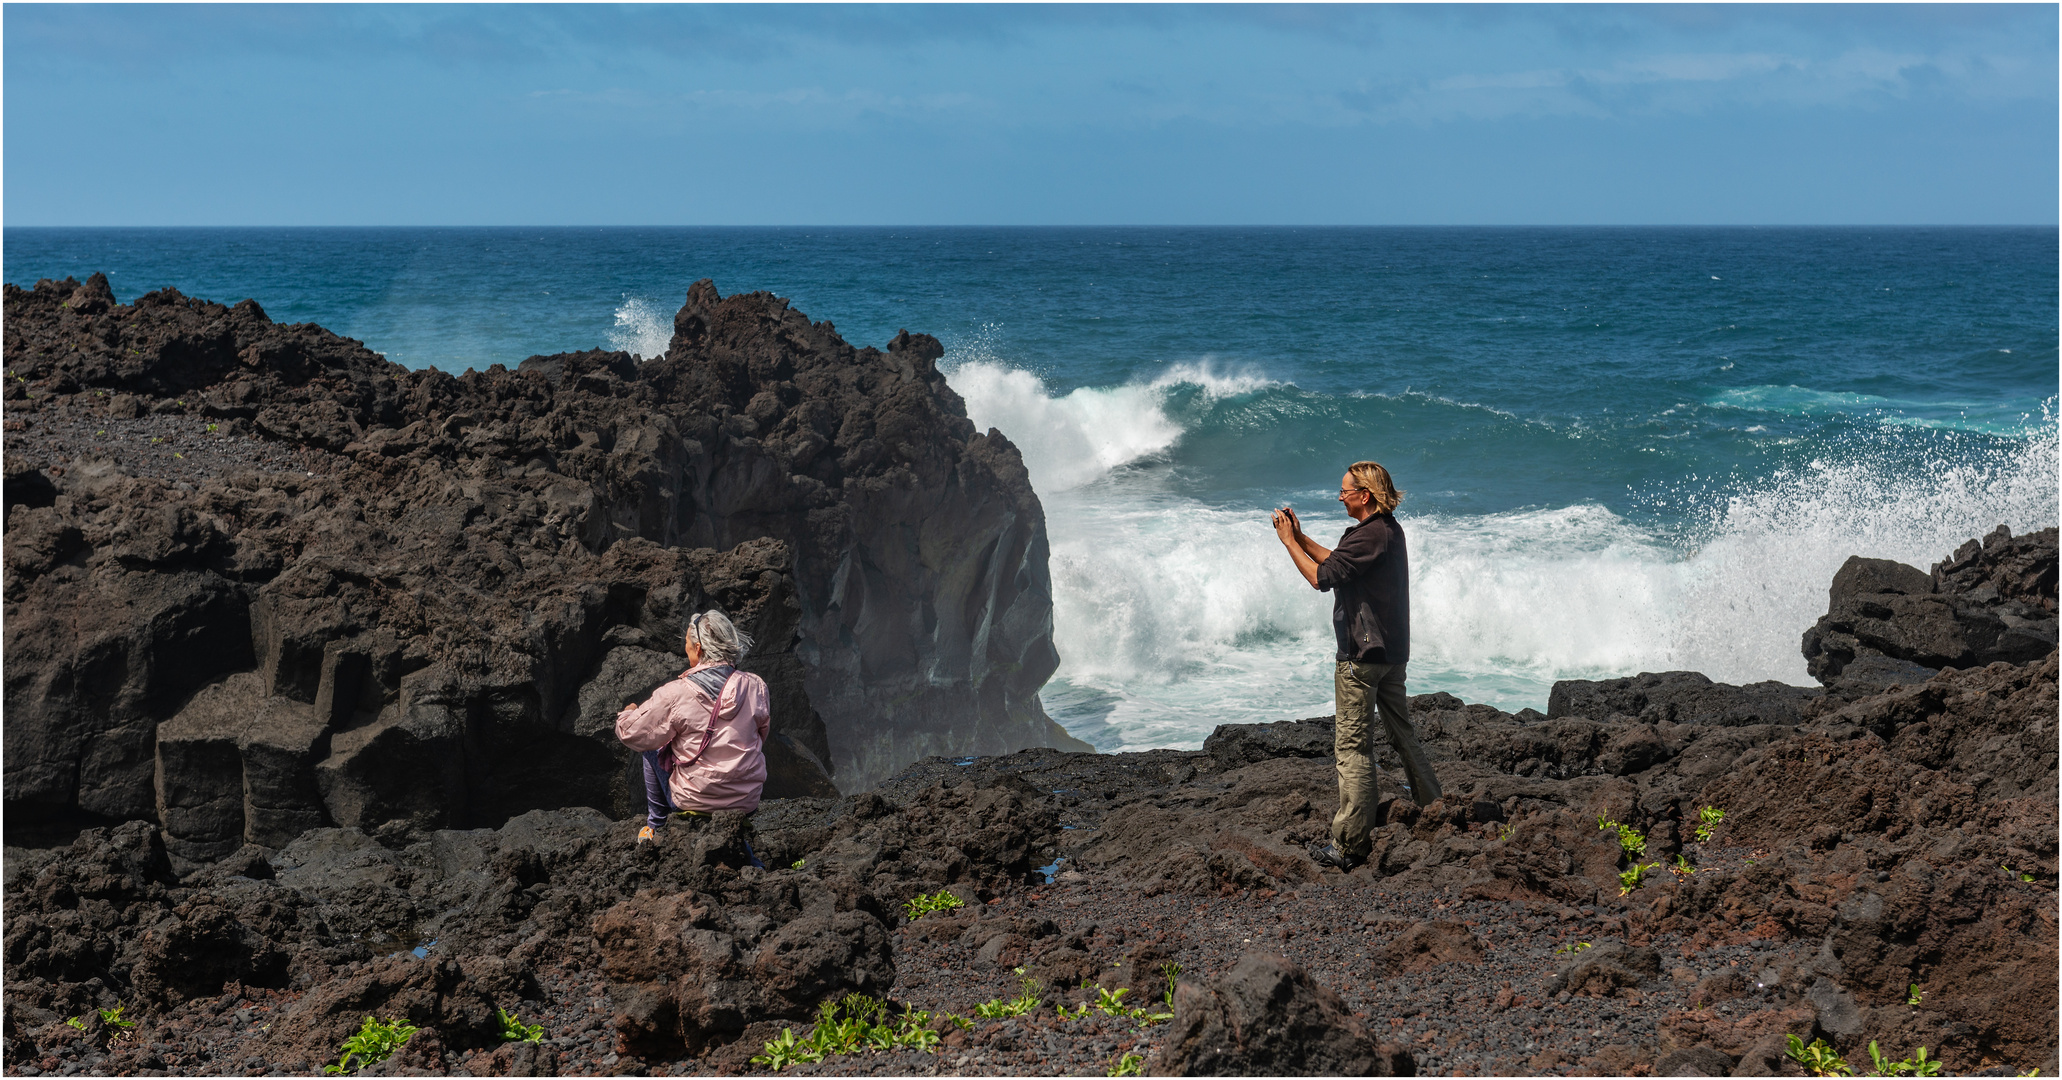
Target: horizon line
{"type": "Point", "coordinates": [1249, 225]}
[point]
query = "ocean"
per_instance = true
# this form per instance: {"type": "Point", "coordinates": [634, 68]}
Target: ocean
{"type": "Point", "coordinates": [1623, 449]}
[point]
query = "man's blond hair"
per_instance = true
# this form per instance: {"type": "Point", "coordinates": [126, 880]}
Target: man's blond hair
{"type": "Point", "coordinates": [1374, 479]}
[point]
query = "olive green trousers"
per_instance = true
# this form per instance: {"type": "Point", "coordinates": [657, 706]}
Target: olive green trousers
{"type": "Point", "coordinates": [1363, 690]}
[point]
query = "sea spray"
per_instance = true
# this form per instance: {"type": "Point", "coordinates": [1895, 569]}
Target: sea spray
{"type": "Point", "coordinates": [1173, 614]}
{"type": "Point", "coordinates": [643, 328]}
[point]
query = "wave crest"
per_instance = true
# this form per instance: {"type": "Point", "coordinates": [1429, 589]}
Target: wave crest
{"type": "Point", "coordinates": [1074, 439]}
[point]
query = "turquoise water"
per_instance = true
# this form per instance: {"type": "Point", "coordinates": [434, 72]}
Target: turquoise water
{"type": "Point", "coordinates": [1624, 449]}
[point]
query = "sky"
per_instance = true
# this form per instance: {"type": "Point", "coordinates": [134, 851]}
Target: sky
{"type": "Point", "coordinates": [172, 114]}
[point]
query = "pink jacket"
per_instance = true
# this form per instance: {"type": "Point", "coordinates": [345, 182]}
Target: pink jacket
{"type": "Point", "coordinates": [718, 756]}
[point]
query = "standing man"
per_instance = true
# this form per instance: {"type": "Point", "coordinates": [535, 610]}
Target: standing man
{"type": "Point", "coordinates": [1368, 575]}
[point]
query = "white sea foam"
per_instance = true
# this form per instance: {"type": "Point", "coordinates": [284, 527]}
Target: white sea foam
{"type": "Point", "coordinates": [1172, 616]}
{"type": "Point", "coordinates": [643, 328]}
{"type": "Point", "coordinates": [1075, 438]}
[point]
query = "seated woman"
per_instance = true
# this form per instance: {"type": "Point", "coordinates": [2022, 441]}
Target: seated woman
{"type": "Point", "coordinates": [703, 733]}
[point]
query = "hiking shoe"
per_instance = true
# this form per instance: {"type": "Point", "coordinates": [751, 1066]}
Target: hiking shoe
{"type": "Point", "coordinates": [647, 834]}
{"type": "Point", "coordinates": [1324, 853]}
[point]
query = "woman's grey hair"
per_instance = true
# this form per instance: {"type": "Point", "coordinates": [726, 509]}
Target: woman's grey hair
{"type": "Point", "coordinates": [719, 637]}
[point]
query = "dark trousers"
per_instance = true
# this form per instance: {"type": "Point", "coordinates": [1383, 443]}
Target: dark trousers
{"type": "Point", "coordinates": [658, 777]}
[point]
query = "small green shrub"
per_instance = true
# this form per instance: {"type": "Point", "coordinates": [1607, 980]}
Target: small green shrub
{"type": "Point", "coordinates": [1128, 1065]}
{"type": "Point", "coordinates": [920, 906]}
{"type": "Point", "coordinates": [1818, 1059]}
{"type": "Point", "coordinates": [1573, 947]}
{"type": "Point", "coordinates": [77, 1023]}
{"type": "Point", "coordinates": [1912, 995]}
{"type": "Point", "coordinates": [850, 1025]}
{"type": "Point", "coordinates": [1111, 1002]}
{"type": "Point", "coordinates": [1707, 822]}
{"type": "Point", "coordinates": [375, 1041]}
{"type": "Point", "coordinates": [797, 864]}
{"type": "Point", "coordinates": [113, 1019]}
{"type": "Point", "coordinates": [1629, 839]}
{"type": "Point", "coordinates": [1026, 1000]}
{"type": "Point", "coordinates": [1916, 1065]}
{"type": "Point", "coordinates": [514, 1030]}
{"type": "Point", "coordinates": [786, 1050]}
{"type": "Point", "coordinates": [1170, 969]}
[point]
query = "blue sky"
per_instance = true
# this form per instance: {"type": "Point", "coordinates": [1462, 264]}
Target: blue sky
{"type": "Point", "coordinates": [944, 114]}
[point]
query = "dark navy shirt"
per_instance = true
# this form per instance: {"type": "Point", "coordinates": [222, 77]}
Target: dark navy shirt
{"type": "Point", "coordinates": [1368, 575]}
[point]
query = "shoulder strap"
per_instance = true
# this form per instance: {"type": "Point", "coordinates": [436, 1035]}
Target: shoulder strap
{"type": "Point", "coordinates": [711, 681]}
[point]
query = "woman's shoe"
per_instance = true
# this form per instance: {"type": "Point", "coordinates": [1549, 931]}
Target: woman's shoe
{"type": "Point", "coordinates": [647, 834]}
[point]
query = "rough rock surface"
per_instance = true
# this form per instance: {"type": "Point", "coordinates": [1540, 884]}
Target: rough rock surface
{"type": "Point", "coordinates": [1266, 1017]}
{"type": "Point", "coordinates": [1885, 871]}
{"type": "Point", "coordinates": [1992, 600]}
{"type": "Point", "coordinates": [356, 594]}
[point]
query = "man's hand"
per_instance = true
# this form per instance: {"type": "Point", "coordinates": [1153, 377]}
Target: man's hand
{"type": "Point", "coordinates": [1306, 552]}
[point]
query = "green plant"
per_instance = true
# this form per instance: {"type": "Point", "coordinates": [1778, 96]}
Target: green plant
{"type": "Point", "coordinates": [786, 1050]}
{"type": "Point", "coordinates": [514, 1030]}
{"type": "Point", "coordinates": [1128, 1065]}
{"type": "Point", "coordinates": [1572, 947]}
{"type": "Point", "coordinates": [1629, 839]}
{"type": "Point", "coordinates": [1882, 1066]}
{"type": "Point", "coordinates": [2022, 876]}
{"type": "Point", "coordinates": [841, 1037]}
{"type": "Point", "coordinates": [1707, 822]}
{"type": "Point", "coordinates": [920, 906]}
{"type": "Point", "coordinates": [853, 1006]}
{"type": "Point", "coordinates": [1170, 969]}
{"type": "Point", "coordinates": [1912, 995]}
{"type": "Point", "coordinates": [916, 1033]}
{"type": "Point", "coordinates": [212, 427]}
{"type": "Point", "coordinates": [1818, 1059]}
{"type": "Point", "coordinates": [1505, 832]}
{"type": "Point", "coordinates": [77, 1023]}
{"type": "Point", "coordinates": [1635, 876]}
{"type": "Point", "coordinates": [1682, 867]}
{"type": "Point", "coordinates": [1078, 1012]}
{"type": "Point", "coordinates": [1111, 1002]}
{"type": "Point", "coordinates": [797, 864]}
{"type": "Point", "coordinates": [375, 1041]}
{"type": "Point", "coordinates": [1026, 1000]}
{"type": "Point", "coordinates": [1922, 1065]}
{"type": "Point", "coordinates": [113, 1018]}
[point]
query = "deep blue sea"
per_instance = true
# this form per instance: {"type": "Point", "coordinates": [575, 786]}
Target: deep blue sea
{"type": "Point", "coordinates": [1623, 449]}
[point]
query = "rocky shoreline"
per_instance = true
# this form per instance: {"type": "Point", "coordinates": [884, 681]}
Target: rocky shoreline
{"type": "Point", "coordinates": [1885, 869]}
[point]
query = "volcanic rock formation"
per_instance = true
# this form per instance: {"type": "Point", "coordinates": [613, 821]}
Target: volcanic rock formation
{"type": "Point", "coordinates": [260, 580]}
{"type": "Point", "coordinates": [1869, 848]}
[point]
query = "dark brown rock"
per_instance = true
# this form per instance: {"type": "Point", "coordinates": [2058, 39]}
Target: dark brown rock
{"type": "Point", "coordinates": [1267, 1018]}
{"type": "Point", "coordinates": [420, 606]}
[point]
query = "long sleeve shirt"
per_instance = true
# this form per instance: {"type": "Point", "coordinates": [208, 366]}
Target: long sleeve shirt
{"type": "Point", "coordinates": [715, 745]}
{"type": "Point", "coordinates": [1368, 575]}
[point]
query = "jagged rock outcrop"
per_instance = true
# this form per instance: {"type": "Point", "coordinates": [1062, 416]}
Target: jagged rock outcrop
{"type": "Point", "coordinates": [1992, 600]}
{"type": "Point", "coordinates": [430, 612]}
